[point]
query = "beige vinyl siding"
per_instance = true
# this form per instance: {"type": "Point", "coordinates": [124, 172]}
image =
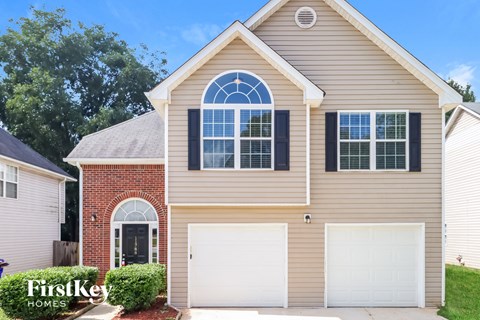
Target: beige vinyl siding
{"type": "Point", "coordinates": [304, 248]}
{"type": "Point", "coordinates": [29, 224]}
{"type": "Point", "coordinates": [462, 200]}
{"type": "Point", "coordinates": [357, 75]}
{"type": "Point", "coordinates": [230, 186]}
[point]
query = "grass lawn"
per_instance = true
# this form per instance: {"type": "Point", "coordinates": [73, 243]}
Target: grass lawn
{"type": "Point", "coordinates": [462, 294]}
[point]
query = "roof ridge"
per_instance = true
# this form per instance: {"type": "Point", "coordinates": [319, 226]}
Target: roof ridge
{"type": "Point", "coordinates": [120, 124]}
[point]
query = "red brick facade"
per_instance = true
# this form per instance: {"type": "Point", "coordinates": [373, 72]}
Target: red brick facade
{"type": "Point", "coordinates": [104, 187]}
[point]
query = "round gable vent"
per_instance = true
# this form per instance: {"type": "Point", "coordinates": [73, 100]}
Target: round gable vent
{"type": "Point", "coordinates": [305, 17]}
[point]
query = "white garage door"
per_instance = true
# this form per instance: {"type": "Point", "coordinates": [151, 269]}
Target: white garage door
{"type": "Point", "coordinates": [375, 266]}
{"type": "Point", "coordinates": [237, 265]}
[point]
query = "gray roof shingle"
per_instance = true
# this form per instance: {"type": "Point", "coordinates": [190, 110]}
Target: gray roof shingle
{"type": "Point", "coordinates": [13, 148]}
{"type": "Point", "coordinates": [474, 106]}
{"type": "Point", "coordinates": [139, 138]}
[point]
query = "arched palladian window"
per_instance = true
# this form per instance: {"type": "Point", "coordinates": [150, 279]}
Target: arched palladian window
{"type": "Point", "coordinates": [134, 212]}
{"type": "Point", "coordinates": [237, 88]}
{"type": "Point", "coordinates": [237, 122]}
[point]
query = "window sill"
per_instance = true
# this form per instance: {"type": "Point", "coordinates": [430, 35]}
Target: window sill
{"type": "Point", "coordinates": [375, 171]}
{"type": "Point", "coordinates": [237, 170]}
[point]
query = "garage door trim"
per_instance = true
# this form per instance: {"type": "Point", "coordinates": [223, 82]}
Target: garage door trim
{"type": "Point", "coordinates": [421, 264]}
{"type": "Point", "coordinates": [199, 225]}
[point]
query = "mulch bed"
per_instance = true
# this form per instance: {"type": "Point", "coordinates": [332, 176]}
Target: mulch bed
{"type": "Point", "coordinates": [158, 311]}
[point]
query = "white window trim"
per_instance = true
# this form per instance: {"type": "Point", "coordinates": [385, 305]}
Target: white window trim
{"type": "Point", "coordinates": [4, 181]}
{"type": "Point", "coordinates": [119, 225]}
{"type": "Point", "coordinates": [237, 133]}
{"type": "Point", "coordinates": [373, 141]}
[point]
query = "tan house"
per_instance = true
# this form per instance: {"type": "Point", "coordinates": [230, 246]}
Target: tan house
{"type": "Point", "coordinates": [462, 188]}
{"type": "Point", "coordinates": [304, 165]}
{"type": "Point", "coordinates": [303, 168]}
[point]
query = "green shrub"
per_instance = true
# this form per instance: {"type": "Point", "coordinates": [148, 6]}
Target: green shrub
{"type": "Point", "coordinates": [16, 303]}
{"type": "Point", "coordinates": [135, 287]}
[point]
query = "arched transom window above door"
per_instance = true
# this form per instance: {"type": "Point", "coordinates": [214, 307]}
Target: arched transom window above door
{"type": "Point", "coordinates": [237, 123]}
{"type": "Point", "coordinates": [135, 210]}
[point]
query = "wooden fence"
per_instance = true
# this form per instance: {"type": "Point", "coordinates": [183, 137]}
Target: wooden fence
{"type": "Point", "coordinates": [65, 253]}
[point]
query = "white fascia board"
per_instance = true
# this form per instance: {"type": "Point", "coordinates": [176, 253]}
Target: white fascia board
{"type": "Point", "coordinates": [113, 161]}
{"type": "Point", "coordinates": [161, 95]}
{"type": "Point", "coordinates": [34, 167]}
{"type": "Point", "coordinates": [447, 94]}
{"type": "Point", "coordinates": [265, 12]}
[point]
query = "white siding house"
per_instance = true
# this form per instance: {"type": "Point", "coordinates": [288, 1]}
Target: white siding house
{"type": "Point", "coordinates": [32, 205]}
{"type": "Point", "coordinates": [462, 189]}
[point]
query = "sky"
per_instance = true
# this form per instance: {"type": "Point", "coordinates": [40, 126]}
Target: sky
{"type": "Point", "coordinates": [443, 34]}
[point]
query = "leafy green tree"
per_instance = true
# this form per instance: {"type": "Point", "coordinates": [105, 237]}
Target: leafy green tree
{"type": "Point", "coordinates": [465, 91]}
{"type": "Point", "coordinates": [62, 80]}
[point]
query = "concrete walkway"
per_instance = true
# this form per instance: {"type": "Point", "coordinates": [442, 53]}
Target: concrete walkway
{"type": "Point", "coordinates": [101, 312]}
{"type": "Point", "coordinates": [310, 314]}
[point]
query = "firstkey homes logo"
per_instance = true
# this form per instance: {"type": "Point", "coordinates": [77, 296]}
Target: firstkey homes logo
{"type": "Point", "coordinates": [77, 288]}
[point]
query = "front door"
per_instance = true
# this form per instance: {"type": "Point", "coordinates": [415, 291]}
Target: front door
{"type": "Point", "coordinates": [135, 244]}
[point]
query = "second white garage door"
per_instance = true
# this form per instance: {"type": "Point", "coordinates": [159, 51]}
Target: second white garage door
{"type": "Point", "coordinates": [375, 266]}
{"type": "Point", "coordinates": [238, 265]}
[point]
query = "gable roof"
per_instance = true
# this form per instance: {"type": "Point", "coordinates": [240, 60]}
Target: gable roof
{"type": "Point", "coordinates": [140, 140]}
{"type": "Point", "coordinates": [472, 108]}
{"type": "Point", "coordinates": [448, 96]}
{"type": "Point", "coordinates": [14, 150]}
{"type": "Point", "coordinates": [161, 94]}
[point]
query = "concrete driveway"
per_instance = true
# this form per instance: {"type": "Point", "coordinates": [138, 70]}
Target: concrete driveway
{"type": "Point", "coordinates": [310, 314]}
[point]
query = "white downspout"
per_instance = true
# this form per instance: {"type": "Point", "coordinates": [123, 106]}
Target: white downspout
{"type": "Point", "coordinates": [60, 205]}
{"type": "Point", "coordinates": [80, 212]}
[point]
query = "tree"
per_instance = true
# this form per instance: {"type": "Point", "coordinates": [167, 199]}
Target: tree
{"type": "Point", "coordinates": [465, 91]}
{"type": "Point", "coordinates": [61, 81]}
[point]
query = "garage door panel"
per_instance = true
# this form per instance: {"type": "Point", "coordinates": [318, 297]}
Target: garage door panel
{"type": "Point", "coordinates": [373, 265]}
{"type": "Point", "coordinates": [238, 265]}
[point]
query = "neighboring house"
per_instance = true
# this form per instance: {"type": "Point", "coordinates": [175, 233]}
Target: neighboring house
{"type": "Point", "coordinates": [462, 186]}
{"type": "Point", "coordinates": [122, 191]}
{"type": "Point", "coordinates": [32, 205]}
{"type": "Point", "coordinates": [303, 167]}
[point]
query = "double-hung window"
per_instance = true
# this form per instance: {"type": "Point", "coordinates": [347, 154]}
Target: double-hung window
{"type": "Point", "coordinates": [8, 181]}
{"type": "Point", "coordinates": [237, 123]}
{"type": "Point", "coordinates": [373, 140]}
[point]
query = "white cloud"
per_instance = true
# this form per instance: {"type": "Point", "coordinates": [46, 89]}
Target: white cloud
{"type": "Point", "coordinates": [463, 74]}
{"type": "Point", "coordinates": [201, 34]}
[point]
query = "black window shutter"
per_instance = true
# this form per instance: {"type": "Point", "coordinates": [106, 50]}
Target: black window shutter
{"type": "Point", "coordinates": [194, 139]}
{"type": "Point", "coordinates": [282, 140]}
{"type": "Point", "coordinates": [415, 135]}
{"type": "Point", "coordinates": [331, 142]}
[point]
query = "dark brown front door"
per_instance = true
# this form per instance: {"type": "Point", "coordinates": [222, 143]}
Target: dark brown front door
{"type": "Point", "coordinates": [135, 243]}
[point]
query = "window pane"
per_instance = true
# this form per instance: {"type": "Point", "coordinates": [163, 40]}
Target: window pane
{"type": "Point", "coordinates": [391, 125]}
{"type": "Point", "coordinates": [218, 154]}
{"type": "Point", "coordinates": [391, 155]}
{"type": "Point", "coordinates": [256, 154]}
{"type": "Point", "coordinates": [354, 155]}
{"type": "Point", "coordinates": [1, 188]}
{"type": "Point", "coordinates": [207, 116]}
{"type": "Point", "coordinates": [11, 191]}
{"type": "Point", "coordinates": [355, 126]}
{"type": "Point", "coordinates": [12, 174]}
